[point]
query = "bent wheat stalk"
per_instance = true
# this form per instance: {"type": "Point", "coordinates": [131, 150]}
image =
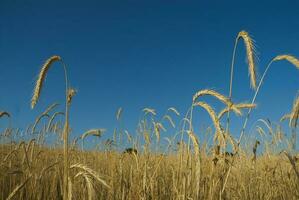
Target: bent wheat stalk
{"type": "Point", "coordinates": [34, 100]}
{"type": "Point", "coordinates": [250, 54]}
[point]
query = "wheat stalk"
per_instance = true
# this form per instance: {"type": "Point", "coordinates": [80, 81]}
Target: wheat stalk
{"type": "Point", "coordinates": [17, 189]}
{"type": "Point", "coordinates": [250, 54]}
{"type": "Point", "coordinates": [68, 94]}
{"type": "Point", "coordinates": [70, 191]}
{"type": "Point", "coordinates": [119, 113]}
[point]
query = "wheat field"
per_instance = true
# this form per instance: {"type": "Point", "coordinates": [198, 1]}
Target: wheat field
{"type": "Point", "coordinates": [147, 165]}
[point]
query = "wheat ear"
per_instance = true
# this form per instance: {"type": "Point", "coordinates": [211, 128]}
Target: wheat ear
{"type": "Point", "coordinates": [250, 53]}
{"type": "Point", "coordinates": [238, 106]}
{"type": "Point", "coordinates": [41, 78]}
{"type": "Point", "coordinates": [295, 113]}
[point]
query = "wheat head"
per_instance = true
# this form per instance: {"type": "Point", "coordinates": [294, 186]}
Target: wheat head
{"type": "Point", "coordinates": [295, 113]}
{"type": "Point", "coordinates": [289, 58]}
{"type": "Point", "coordinates": [250, 52]}
{"type": "Point", "coordinates": [41, 78]}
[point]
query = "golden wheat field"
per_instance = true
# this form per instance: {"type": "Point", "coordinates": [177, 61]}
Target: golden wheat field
{"type": "Point", "coordinates": [222, 166]}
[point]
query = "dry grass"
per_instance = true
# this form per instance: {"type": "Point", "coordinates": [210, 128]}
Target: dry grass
{"type": "Point", "coordinates": [148, 164]}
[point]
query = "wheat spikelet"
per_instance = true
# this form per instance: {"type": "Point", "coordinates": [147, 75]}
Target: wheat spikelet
{"type": "Point", "coordinates": [4, 113]}
{"type": "Point", "coordinates": [31, 145]}
{"type": "Point", "coordinates": [167, 117]}
{"type": "Point", "coordinates": [213, 93]}
{"type": "Point", "coordinates": [118, 113]}
{"type": "Point", "coordinates": [149, 110]}
{"type": "Point", "coordinates": [295, 113]}
{"type": "Point", "coordinates": [147, 137]}
{"type": "Point", "coordinates": [172, 109]}
{"type": "Point", "coordinates": [238, 107]}
{"type": "Point", "coordinates": [218, 96]}
{"type": "Point", "coordinates": [93, 132]}
{"type": "Point", "coordinates": [157, 131]}
{"type": "Point", "coordinates": [289, 58]}
{"type": "Point", "coordinates": [250, 52]}
{"type": "Point", "coordinates": [129, 137]}
{"type": "Point", "coordinates": [70, 94]}
{"type": "Point", "coordinates": [232, 141]}
{"type": "Point", "coordinates": [195, 142]}
{"type": "Point", "coordinates": [41, 78]}
{"type": "Point", "coordinates": [158, 127]}
{"type": "Point", "coordinates": [90, 172]}
{"type": "Point", "coordinates": [261, 131]}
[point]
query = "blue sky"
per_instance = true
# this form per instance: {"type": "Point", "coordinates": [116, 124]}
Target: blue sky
{"type": "Point", "coordinates": [136, 54]}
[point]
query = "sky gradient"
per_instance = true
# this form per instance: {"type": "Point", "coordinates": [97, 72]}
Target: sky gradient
{"type": "Point", "coordinates": [136, 54]}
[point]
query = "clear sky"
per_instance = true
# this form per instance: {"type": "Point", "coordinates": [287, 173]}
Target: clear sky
{"type": "Point", "coordinates": [136, 54]}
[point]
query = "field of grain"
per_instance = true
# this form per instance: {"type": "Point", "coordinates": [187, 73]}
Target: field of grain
{"type": "Point", "coordinates": [135, 165]}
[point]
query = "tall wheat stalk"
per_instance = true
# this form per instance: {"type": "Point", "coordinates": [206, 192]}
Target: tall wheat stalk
{"type": "Point", "coordinates": [250, 54]}
{"type": "Point", "coordinates": [34, 100]}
